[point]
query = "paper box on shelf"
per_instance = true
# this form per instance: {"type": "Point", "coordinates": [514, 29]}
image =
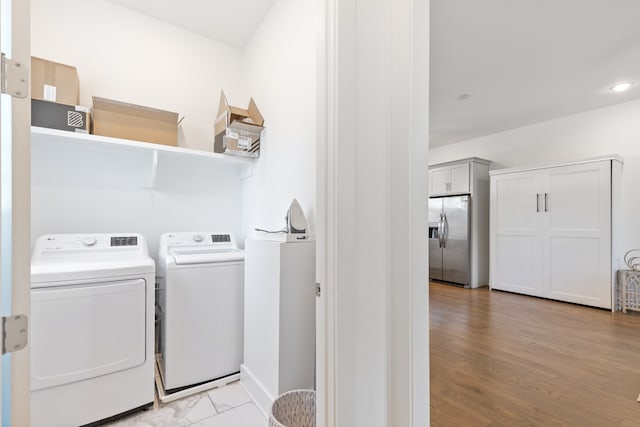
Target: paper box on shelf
{"type": "Point", "coordinates": [129, 121]}
{"type": "Point", "coordinates": [55, 115]}
{"type": "Point", "coordinates": [237, 130]}
{"type": "Point", "coordinates": [52, 81]}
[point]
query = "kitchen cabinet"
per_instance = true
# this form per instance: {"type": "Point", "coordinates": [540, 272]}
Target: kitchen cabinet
{"type": "Point", "coordinates": [452, 179]}
{"type": "Point", "coordinates": [552, 230]}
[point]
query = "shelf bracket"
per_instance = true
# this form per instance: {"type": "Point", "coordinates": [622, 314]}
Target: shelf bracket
{"type": "Point", "coordinates": [248, 170]}
{"type": "Point", "coordinates": [153, 173]}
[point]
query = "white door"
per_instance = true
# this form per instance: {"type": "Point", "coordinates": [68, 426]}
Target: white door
{"type": "Point", "coordinates": [65, 318]}
{"type": "Point", "coordinates": [577, 234]}
{"type": "Point", "coordinates": [15, 195]}
{"type": "Point", "coordinates": [516, 245]}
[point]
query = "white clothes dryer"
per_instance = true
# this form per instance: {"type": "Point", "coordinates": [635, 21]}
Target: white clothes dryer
{"type": "Point", "coordinates": [92, 323]}
{"type": "Point", "coordinates": [201, 300]}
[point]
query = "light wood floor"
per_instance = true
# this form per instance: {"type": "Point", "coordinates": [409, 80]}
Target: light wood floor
{"type": "Point", "coordinates": [501, 359]}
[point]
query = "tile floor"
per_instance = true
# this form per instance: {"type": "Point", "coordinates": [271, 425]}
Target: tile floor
{"type": "Point", "coordinates": [228, 406]}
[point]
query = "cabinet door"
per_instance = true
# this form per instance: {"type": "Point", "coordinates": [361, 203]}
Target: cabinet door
{"type": "Point", "coordinates": [459, 178]}
{"type": "Point", "coordinates": [577, 234]}
{"type": "Point", "coordinates": [439, 181]}
{"type": "Point", "coordinates": [449, 180]}
{"type": "Point", "coordinates": [516, 245]}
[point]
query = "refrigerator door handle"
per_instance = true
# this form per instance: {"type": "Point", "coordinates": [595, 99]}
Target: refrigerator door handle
{"type": "Point", "coordinates": [440, 231]}
{"type": "Point", "coordinates": [444, 230]}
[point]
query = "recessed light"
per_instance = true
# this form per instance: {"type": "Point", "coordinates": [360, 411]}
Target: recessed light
{"type": "Point", "coordinates": [463, 96]}
{"type": "Point", "coordinates": [621, 87]}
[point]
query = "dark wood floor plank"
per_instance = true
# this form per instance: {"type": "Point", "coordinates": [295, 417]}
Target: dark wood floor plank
{"type": "Point", "coordinates": [501, 359]}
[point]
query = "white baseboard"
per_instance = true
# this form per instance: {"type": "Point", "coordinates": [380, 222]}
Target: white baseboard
{"type": "Point", "coordinates": [258, 393]}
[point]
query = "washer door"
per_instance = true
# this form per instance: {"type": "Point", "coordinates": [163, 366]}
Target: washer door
{"type": "Point", "coordinates": [83, 331]}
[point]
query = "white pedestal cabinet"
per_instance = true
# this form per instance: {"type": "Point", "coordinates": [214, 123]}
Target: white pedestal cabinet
{"type": "Point", "coordinates": [279, 319]}
{"type": "Point", "coordinates": [552, 230]}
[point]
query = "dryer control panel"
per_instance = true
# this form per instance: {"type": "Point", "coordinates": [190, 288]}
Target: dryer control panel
{"type": "Point", "coordinates": [88, 244]}
{"type": "Point", "coordinates": [199, 248]}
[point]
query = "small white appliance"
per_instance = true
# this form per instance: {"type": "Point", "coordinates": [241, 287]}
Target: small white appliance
{"type": "Point", "coordinates": [296, 221]}
{"type": "Point", "coordinates": [92, 322]}
{"type": "Point", "coordinates": [201, 284]}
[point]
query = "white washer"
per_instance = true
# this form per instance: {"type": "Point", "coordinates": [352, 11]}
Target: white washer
{"type": "Point", "coordinates": [201, 299]}
{"type": "Point", "coordinates": [92, 322]}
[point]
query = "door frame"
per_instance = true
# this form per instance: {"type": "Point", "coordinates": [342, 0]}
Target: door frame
{"type": "Point", "coordinates": [16, 377]}
{"type": "Point", "coordinates": [372, 335]}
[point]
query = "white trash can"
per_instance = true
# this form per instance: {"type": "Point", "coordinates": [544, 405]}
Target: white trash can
{"type": "Point", "coordinates": [295, 408]}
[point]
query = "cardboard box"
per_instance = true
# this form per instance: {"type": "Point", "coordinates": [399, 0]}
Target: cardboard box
{"type": "Point", "coordinates": [238, 130]}
{"type": "Point", "coordinates": [54, 115]}
{"type": "Point", "coordinates": [130, 121]}
{"type": "Point", "coordinates": [52, 81]}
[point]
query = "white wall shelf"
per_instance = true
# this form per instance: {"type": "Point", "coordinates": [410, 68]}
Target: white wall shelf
{"type": "Point", "coordinates": [41, 135]}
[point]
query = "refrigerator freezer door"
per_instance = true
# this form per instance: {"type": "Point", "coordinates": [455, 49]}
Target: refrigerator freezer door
{"type": "Point", "coordinates": [455, 254]}
{"type": "Point", "coordinates": [435, 247]}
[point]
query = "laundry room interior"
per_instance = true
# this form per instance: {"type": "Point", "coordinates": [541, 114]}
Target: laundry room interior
{"type": "Point", "coordinates": [155, 64]}
{"type": "Point", "coordinates": [92, 191]}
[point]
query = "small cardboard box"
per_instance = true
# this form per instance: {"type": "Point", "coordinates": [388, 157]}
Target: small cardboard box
{"type": "Point", "coordinates": [129, 121]}
{"type": "Point", "coordinates": [54, 115]}
{"type": "Point", "coordinates": [237, 130]}
{"type": "Point", "coordinates": [52, 81]}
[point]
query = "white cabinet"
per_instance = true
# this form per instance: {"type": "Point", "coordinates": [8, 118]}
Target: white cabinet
{"type": "Point", "coordinates": [453, 179]}
{"type": "Point", "coordinates": [279, 319]}
{"type": "Point", "coordinates": [552, 229]}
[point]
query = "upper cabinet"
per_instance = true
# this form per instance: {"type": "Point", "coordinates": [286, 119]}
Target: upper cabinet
{"type": "Point", "coordinates": [454, 177]}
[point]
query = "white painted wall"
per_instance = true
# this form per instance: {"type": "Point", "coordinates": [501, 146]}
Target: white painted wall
{"type": "Point", "coordinates": [97, 189]}
{"type": "Point", "coordinates": [614, 129]}
{"type": "Point", "coordinates": [280, 75]}
{"type": "Point", "coordinates": [127, 56]}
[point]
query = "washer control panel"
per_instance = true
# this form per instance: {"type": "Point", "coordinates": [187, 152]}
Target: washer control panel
{"type": "Point", "coordinates": [221, 240]}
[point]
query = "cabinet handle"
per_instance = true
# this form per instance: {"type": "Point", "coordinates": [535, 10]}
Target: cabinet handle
{"type": "Point", "coordinates": [537, 202]}
{"type": "Point", "coordinates": [545, 202]}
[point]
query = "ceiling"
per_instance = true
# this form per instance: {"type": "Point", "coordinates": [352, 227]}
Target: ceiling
{"type": "Point", "coordinates": [495, 64]}
{"type": "Point", "coordinates": [232, 22]}
{"type": "Point", "coordinates": [523, 62]}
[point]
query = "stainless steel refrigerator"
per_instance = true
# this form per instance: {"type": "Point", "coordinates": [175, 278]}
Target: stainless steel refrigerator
{"type": "Point", "coordinates": [449, 237]}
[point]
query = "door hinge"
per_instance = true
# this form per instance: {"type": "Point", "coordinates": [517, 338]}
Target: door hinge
{"type": "Point", "coordinates": [14, 80]}
{"type": "Point", "coordinates": [318, 289]}
{"type": "Point", "coordinates": [14, 333]}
